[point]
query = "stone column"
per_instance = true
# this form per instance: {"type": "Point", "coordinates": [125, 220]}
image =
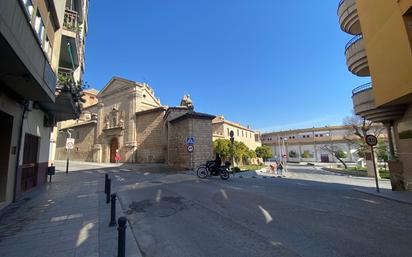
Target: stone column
{"type": "Point", "coordinates": [390, 140]}
{"type": "Point", "coordinates": [130, 124]}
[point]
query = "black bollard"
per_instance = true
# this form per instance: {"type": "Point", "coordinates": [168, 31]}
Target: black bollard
{"type": "Point", "coordinates": [109, 183]}
{"type": "Point", "coordinates": [113, 211]}
{"type": "Point", "coordinates": [106, 179]}
{"type": "Point", "coordinates": [121, 243]}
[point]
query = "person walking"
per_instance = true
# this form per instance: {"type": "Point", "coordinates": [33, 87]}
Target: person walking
{"type": "Point", "coordinates": [117, 157]}
{"type": "Point", "coordinates": [280, 168]}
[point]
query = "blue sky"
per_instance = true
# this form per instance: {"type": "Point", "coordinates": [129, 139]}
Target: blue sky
{"type": "Point", "coordinates": [267, 63]}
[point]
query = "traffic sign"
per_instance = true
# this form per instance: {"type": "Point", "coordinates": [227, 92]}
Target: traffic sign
{"type": "Point", "coordinates": [190, 148]}
{"type": "Point", "coordinates": [190, 141]}
{"type": "Point", "coordinates": [69, 143]}
{"type": "Point", "coordinates": [371, 140]}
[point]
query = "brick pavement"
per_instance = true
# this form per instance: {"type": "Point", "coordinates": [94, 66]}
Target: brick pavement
{"type": "Point", "coordinates": [68, 217]}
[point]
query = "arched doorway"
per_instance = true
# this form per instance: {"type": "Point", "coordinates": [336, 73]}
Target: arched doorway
{"type": "Point", "coordinates": [114, 145]}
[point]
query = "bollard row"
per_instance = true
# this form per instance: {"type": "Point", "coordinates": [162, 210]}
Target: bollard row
{"type": "Point", "coordinates": [122, 221]}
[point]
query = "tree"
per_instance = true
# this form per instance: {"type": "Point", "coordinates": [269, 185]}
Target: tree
{"type": "Point", "coordinates": [337, 152]}
{"type": "Point", "coordinates": [264, 152]}
{"type": "Point", "coordinates": [293, 154]}
{"type": "Point", "coordinates": [306, 154]}
{"type": "Point", "coordinates": [222, 147]}
{"type": "Point", "coordinates": [240, 150]}
{"type": "Point", "coordinates": [382, 151]}
{"type": "Point", "coordinates": [360, 128]}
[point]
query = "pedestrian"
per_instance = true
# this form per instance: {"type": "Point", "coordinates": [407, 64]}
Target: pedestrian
{"type": "Point", "coordinates": [280, 168]}
{"type": "Point", "coordinates": [273, 168]}
{"type": "Point", "coordinates": [117, 157]}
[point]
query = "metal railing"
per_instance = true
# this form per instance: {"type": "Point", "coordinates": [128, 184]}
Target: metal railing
{"type": "Point", "coordinates": [355, 39]}
{"type": "Point", "coordinates": [71, 20]}
{"type": "Point", "coordinates": [362, 88]}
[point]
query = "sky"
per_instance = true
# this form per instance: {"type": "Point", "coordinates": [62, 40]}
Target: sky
{"type": "Point", "coordinates": [270, 64]}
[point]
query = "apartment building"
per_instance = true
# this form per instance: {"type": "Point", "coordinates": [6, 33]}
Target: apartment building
{"type": "Point", "coordinates": [308, 145]}
{"type": "Point", "coordinates": [382, 49]}
{"type": "Point", "coordinates": [222, 128]}
{"type": "Point", "coordinates": [34, 47]}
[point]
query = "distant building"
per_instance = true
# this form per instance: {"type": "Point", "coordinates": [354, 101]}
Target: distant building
{"type": "Point", "coordinates": [307, 145]}
{"type": "Point", "coordinates": [222, 128]}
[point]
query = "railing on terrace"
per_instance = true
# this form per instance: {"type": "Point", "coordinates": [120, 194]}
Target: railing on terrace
{"type": "Point", "coordinates": [65, 79]}
{"type": "Point", "coordinates": [70, 20]}
{"type": "Point", "coordinates": [362, 88]}
{"type": "Point", "coordinates": [353, 41]}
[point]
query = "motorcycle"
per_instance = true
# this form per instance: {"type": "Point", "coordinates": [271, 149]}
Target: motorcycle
{"type": "Point", "coordinates": [206, 170]}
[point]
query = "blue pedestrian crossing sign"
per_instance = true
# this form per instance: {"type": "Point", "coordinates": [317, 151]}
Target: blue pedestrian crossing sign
{"type": "Point", "coordinates": [190, 141]}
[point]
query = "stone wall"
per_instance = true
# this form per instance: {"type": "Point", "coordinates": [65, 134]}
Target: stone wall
{"type": "Point", "coordinates": [151, 137]}
{"type": "Point", "coordinates": [201, 130]}
{"type": "Point", "coordinates": [84, 141]}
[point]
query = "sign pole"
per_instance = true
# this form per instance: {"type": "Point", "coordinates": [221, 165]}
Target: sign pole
{"type": "Point", "coordinates": [372, 140]}
{"type": "Point", "coordinates": [374, 168]}
{"type": "Point", "coordinates": [68, 150]}
{"type": "Point", "coordinates": [68, 160]}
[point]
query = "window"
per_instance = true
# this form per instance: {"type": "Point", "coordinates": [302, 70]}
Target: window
{"type": "Point", "coordinates": [237, 132]}
{"type": "Point", "coordinates": [29, 7]}
{"type": "Point", "coordinates": [48, 49]}
{"type": "Point", "coordinates": [228, 131]}
{"type": "Point", "coordinates": [39, 27]}
{"type": "Point", "coordinates": [242, 133]}
{"type": "Point", "coordinates": [321, 135]}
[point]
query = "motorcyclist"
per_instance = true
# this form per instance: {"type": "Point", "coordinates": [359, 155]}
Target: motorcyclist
{"type": "Point", "coordinates": [217, 164]}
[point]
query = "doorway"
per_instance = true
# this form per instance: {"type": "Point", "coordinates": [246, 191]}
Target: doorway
{"type": "Point", "coordinates": [324, 158]}
{"type": "Point", "coordinates": [30, 165]}
{"type": "Point", "coordinates": [6, 129]}
{"type": "Point", "coordinates": [114, 145]}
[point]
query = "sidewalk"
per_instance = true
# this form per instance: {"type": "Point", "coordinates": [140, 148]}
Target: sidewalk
{"type": "Point", "coordinates": [401, 197]}
{"type": "Point", "coordinates": [68, 217]}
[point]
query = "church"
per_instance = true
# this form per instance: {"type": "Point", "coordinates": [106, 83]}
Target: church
{"type": "Point", "coordinates": [127, 118]}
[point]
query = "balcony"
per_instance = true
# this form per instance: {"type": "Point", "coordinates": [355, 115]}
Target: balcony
{"type": "Point", "coordinates": [356, 57]}
{"type": "Point", "coordinates": [68, 97]}
{"type": "Point", "coordinates": [71, 45]}
{"type": "Point", "coordinates": [364, 104]}
{"type": "Point", "coordinates": [348, 17]}
{"type": "Point", "coordinates": [25, 69]}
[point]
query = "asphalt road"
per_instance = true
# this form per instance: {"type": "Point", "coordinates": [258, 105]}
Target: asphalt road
{"type": "Point", "coordinates": [310, 213]}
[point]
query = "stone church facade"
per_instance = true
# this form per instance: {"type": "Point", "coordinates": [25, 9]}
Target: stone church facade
{"type": "Point", "coordinates": [128, 118]}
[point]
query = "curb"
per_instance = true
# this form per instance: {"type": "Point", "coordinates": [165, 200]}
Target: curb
{"type": "Point", "coordinates": [380, 195]}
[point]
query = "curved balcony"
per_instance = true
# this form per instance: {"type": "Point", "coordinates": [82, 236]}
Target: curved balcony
{"type": "Point", "coordinates": [364, 104]}
{"type": "Point", "coordinates": [348, 17]}
{"type": "Point", "coordinates": [356, 57]}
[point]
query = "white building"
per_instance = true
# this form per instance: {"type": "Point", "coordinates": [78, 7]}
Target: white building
{"type": "Point", "coordinates": [308, 145]}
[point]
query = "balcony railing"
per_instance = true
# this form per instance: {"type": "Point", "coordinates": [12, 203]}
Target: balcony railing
{"type": "Point", "coordinates": [71, 20]}
{"type": "Point", "coordinates": [356, 57]}
{"type": "Point", "coordinates": [348, 17]}
{"type": "Point", "coordinates": [362, 88]}
{"type": "Point", "coordinates": [353, 41]}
